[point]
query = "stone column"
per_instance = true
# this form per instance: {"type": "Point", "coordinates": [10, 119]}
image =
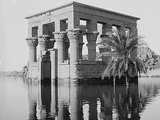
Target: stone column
{"type": "Point", "coordinates": [133, 29]}
{"type": "Point", "coordinates": [54, 64]}
{"type": "Point", "coordinates": [91, 38]}
{"type": "Point", "coordinates": [80, 50]}
{"type": "Point", "coordinates": [66, 47]}
{"type": "Point", "coordinates": [29, 30]}
{"type": "Point", "coordinates": [44, 43]}
{"type": "Point", "coordinates": [74, 36]}
{"type": "Point", "coordinates": [74, 102]}
{"type": "Point", "coordinates": [59, 39]}
{"type": "Point", "coordinates": [40, 29]}
{"type": "Point", "coordinates": [91, 25]}
{"type": "Point", "coordinates": [32, 43]}
{"type": "Point", "coordinates": [80, 45]}
{"type": "Point", "coordinates": [134, 32]}
{"type": "Point", "coordinates": [106, 31]}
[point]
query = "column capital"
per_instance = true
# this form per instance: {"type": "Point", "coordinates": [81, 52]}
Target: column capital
{"type": "Point", "coordinates": [32, 41]}
{"type": "Point", "coordinates": [46, 41]}
{"type": "Point", "coordinates": [74, 34]}
{"type": "Point", "coordinates": [59, 44]}
{"type": "Point", "coordinates": [92, 36]}
{"type": "Point", "coordinates": [44, 38]}
{"type": "Point", "coordinates": [59, 35]}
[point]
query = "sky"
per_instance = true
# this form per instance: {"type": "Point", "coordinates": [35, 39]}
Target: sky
{"type": "Point", "coordinates": [13, 27]}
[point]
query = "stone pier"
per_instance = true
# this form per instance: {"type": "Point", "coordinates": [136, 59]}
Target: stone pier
{"type": "Point", "coordinates": [74, 36]}
{"type": "Point", "coordinates": [59, 45]}
{"type": "Point", "coordinates": [92, 38]}
{"type": "Point", "coordinates": [32, 44]}
{"type": "Point", "coordinates": [63, 27]}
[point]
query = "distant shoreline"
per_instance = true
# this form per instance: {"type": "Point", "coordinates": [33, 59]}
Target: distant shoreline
{"type": "Point", "coordinates": [11, 74]}
{"type": "Point", "coordinates": [153, 74]}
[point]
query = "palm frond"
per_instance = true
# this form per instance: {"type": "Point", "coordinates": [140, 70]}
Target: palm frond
{"type": "Point", "coordinates": [124, 51]}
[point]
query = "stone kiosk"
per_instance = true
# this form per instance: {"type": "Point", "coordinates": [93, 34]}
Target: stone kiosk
{"type": "Point", "coordinates": [56, 40]}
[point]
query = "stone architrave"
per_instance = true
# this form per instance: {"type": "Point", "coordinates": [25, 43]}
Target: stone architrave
{"type": "Point", "coordinates": [74, 36]}
{"type": "Point", "coordinates": [32, 43]}
{"type": "Point", "coordinates": [92, 38]}
{"type": "Point", "coordinates": [59, 44]}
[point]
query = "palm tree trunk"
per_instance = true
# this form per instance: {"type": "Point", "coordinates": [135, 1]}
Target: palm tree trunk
{"type": "Point", "coordinates": [126, 81]}
{"type": "Point", "coordinates": [114, 85]}
{"type": "Point", "coordinates": [114, 82]}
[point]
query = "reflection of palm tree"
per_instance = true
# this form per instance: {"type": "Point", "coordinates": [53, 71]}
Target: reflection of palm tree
{"type": "Point", "coordinates": [124, 54]}
{"type": "Point", "coordinates": [33, 95]}
{"type": "Point", "coordinates": [125, 103]}
{"type": "Point", "coordinates": [146, 94]}
{"type": "Point", "coordinates": [66, 113]}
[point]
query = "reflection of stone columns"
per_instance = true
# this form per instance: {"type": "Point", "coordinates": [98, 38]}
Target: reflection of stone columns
{"type": "Point", "coordinates": [93, 109]}
{"type": "Point", "coordinates": [33, 92]}
{"type": "Point", "coordinates": [73, 36]}
{"type": "Point", "coordinates": [32, 43]}
{"type": "Point", "coordinates": [60, 111]}
{"type": "Point", "coordinates": [46, 99]}
{"type": "Point", "coordinates": [59, 38]}
{"type": "Point", "coordinates": [91, 38]}
{"type": "Point", "coordinates": [74, 102]}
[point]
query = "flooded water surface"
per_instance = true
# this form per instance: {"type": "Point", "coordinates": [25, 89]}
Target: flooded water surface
{"type": "Point", "coordinates": [33, 100]}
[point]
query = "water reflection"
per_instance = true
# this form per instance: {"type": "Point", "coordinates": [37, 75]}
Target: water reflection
{"type": "Point", "coordinates": [41, 100]}
{"type": "Point", "coordinates": [52, 101]}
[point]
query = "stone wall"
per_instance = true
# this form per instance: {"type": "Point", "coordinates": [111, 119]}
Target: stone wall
{"type": "Point", "coordinates": [82, 70]}
{"type": "Point", "coordinates": [34, 70]}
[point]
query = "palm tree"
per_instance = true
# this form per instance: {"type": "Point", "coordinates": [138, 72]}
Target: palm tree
{"type": "Point", "coordinates": [124, 61]}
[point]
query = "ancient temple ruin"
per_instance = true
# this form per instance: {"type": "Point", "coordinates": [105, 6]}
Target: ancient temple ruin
{"type": "Point", "coordinates": [56, 40]}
